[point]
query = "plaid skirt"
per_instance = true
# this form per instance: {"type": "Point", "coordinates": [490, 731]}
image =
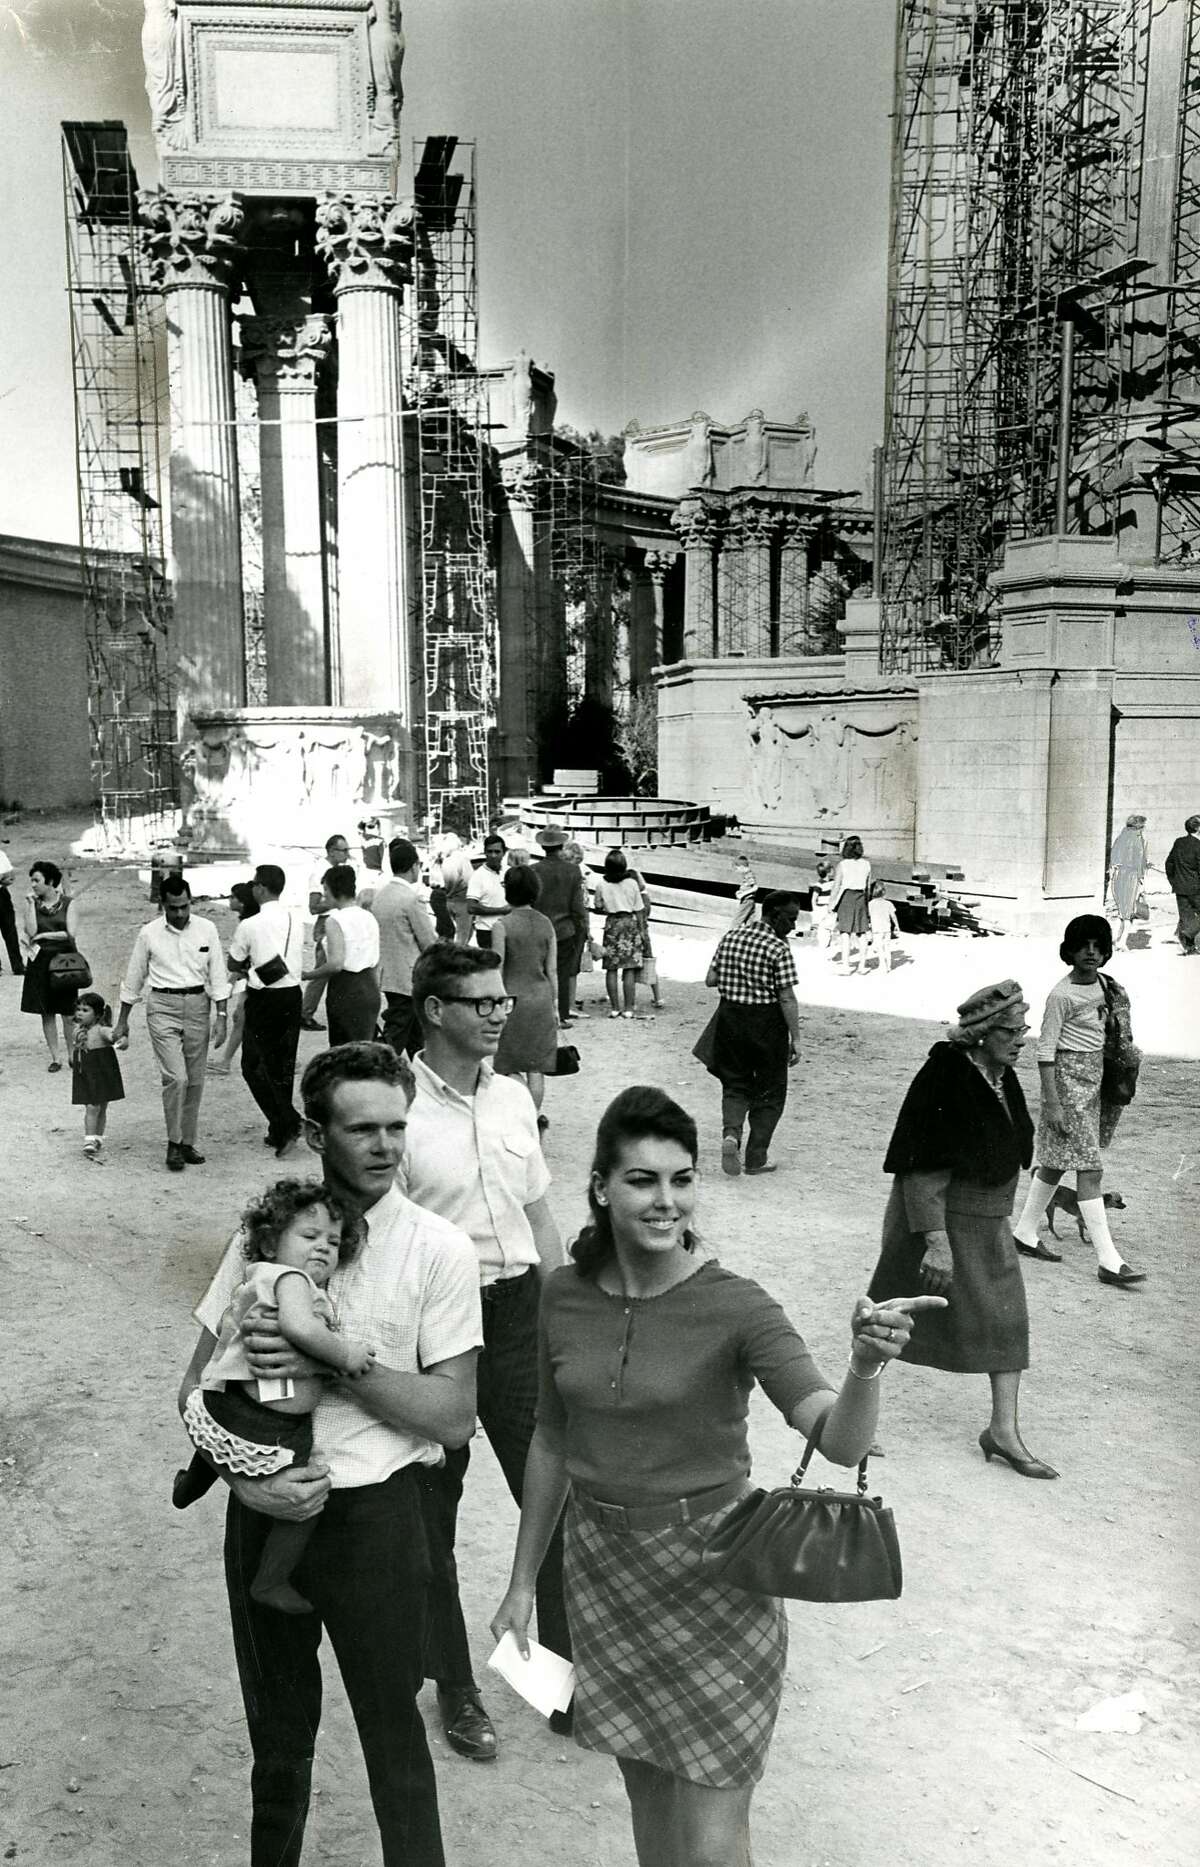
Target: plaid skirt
{"type": "Point", "coordinates": [1089, 1123]}
{"type": "Point", "coordinates": [671, 1668]}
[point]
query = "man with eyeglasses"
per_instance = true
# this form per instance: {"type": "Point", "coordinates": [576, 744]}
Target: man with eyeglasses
{"type": "Point", "coordinates": [473, 1156]}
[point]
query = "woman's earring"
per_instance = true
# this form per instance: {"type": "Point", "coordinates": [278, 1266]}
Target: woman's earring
{"type": "Point", "coordinates": [600, 1200]}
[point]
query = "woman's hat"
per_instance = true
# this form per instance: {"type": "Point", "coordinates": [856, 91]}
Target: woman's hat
{"type": "Point", "coordinates": [992, 1005]}
{"type": "Point", "coordinates": [550, 838]}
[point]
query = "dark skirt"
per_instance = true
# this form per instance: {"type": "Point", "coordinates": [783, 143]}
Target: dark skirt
{"type": "Point", "coordinates": [242, 1435]}
{"type": "Point", "coordinates": [529, 1040]}
{"type": "Point", "coordinates": [96, 1077]}
{"type": "Point", "coordinates": [672, 1667]}
{"type": "Point", "coordinates": [852, 916]}
{"type": "Point", "coordinates": [40, 995]}
{"type": "Point", "coordinates": [352, 1006]}
{"type": "Point", "coordinates": [986, 1328]}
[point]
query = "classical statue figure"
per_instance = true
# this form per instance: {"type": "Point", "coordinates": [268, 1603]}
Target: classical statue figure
{"type": "Point", "coordinates": [521, 379]}
{"type": "Point", "coordinates": [699, 460]}
{"type": "Point", "coordinates": [808, 450]}
{"type": "Point", "coordinates": [754, 449]}
{"type": "Point", "coordinates": [163, 61]}
{"type": "Point", "coordinates": [766, 758]}
{"type": "Point", "coordinates": [385, 44]}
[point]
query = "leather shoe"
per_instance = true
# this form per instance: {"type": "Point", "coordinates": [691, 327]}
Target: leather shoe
{"type": "Point", "coordinates": [468, 1728]}
{"type": "Point", "coordinates": [175, 1160]}
{"type": "Point", "coordinates": [762, 1166]}
{"type": "Point", "coordinates": [1028, 1468]}
{"type": "Point", "coordinates": [310, 1024]}
{"type": "Point", "coordinates": [1121, 1278]}
{"type": "Point", "coordinates": [190, 1155]}
{"type": "Point", "coordinates": [1038, 1251]}
{"type": "Point", "coordinates": [562, 1723]}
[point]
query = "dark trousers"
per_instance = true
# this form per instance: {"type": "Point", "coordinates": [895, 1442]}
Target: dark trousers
{"type": "Point", "coordinates": [366, 1572]}
{"type": "Point", "coordinates": [1188, 930]}
{"type": "Point", "coordinates": [751, 1059]}
{"type": "Point", "coordinates": [269, 1044]}
{"type": "Point", "coordinates": [8, 931]}
{"type": "Point", "coordinates": [567, 958]}
{"type": "Point", "coordinates": [506, 1401]}
{"type": "Point", "coordinates": [401, 1025]}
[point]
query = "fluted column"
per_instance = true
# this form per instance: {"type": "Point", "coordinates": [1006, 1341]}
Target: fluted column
{"type": "Point", "coordinates": [192, 241]}
{"type": "Point", "coordinates": [697, 525]}
{"type": "Point", "coordinates": [283, 356]}
{"type": "Point", "coordinates": [757, 527]}
{"type": "Point", "coordinates": [658, 563]}
{"type": "Point", "coordinates": [521, 603]}
{"type": "Point", "coordinates": [796, 537]}
{"type": "Point", "coordinates": [366, 242]}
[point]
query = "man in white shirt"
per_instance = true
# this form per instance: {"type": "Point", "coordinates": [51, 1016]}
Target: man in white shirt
{"type": "Point", "coordinates": [337, 856]}
{"type": "Point", "coordinates": [405, 930]}
{"type": "Point", "coordinates": [473, 1155]}
{"type": "Point", "coordinates": [269, 948]}
{"type": "Point", "coordinates": [410, 1288]}
{"type": "Point", "coordinates": [178, 957]}
{"type": "Point", "coordinates": [486, 899]}
{"type": "Point", "coordinates": [8, 918]}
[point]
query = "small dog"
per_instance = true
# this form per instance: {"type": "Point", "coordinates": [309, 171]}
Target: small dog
{"type": "Point", "coordinates": [1067, 1201]}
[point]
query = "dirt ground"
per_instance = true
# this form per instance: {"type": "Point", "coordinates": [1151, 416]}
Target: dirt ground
{"type": "Point", "coordinates": [937, 1729]}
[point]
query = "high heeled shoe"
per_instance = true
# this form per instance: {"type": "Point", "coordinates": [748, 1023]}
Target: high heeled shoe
{"type": "Point", "coordinates": [1028, 1468]}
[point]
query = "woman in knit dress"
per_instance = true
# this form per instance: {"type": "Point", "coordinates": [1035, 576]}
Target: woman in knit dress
{"type": "Point", "coordinates": [961, 1139]}
{"type": "Point", "coordinates": [848, 902]}
{"type": "Point", "coordinates": [648, 1351]}
{"type": "Point", "coordinates": [1077, 1123]}
{"type": "Point", "coordinates": [1128, 861]}
{"type": "Point", "coordinates": [528, 951]}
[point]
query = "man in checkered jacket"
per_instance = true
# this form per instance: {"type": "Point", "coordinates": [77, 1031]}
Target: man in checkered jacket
{"type": "Point", "coordinates": [756, 1031]}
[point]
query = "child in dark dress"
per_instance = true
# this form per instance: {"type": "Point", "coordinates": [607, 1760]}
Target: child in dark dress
{"type": "Point", "coordinates": [95, 1072]}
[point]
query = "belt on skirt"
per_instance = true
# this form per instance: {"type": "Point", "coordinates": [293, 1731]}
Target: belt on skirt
{"type": "Point", "coordinates": [656, 1516]}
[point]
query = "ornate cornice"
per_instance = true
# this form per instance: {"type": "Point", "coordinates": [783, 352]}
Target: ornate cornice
{"type": "Point", "coordinates": [191, 239]}
{"type": "Point", "coordinates": [284, 352]}
{"type": "Point", "coordinates": [366, 241]}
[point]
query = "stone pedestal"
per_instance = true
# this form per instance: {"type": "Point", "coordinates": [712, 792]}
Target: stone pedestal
{"type": "Point", "coordinates": [263, 777]}
{"type": "Point", "coordinates": [366, 242]}
{"type": "Point", "coordinates": [192, 241]}
{"type": "Point", "coordinates": [283, 357]}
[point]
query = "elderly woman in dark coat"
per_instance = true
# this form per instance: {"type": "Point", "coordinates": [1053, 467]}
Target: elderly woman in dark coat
{"type": "Point", "coordinates": [962, 1137]}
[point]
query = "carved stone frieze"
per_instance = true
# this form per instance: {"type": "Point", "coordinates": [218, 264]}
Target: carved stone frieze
{"type": "Point", "coordinates": [810, 762]}
{"type": "Point", "coordinates": [286, 352]}
{"type": "Point", "coordinates": [191, 239]}
{"type": "Point", "coordinates": [366, 241]}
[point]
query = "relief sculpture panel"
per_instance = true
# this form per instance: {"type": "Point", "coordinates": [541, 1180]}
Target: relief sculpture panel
{"type": "Point", "coordinates": [816, 764]}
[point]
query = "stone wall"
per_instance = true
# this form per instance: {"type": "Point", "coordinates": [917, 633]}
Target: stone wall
{"type": "Point", "coordinates": [800, 754]}
{"type": "Point", "coordinates": [1156, 756]}
{"type": "Point", "coordinates": [44, 756]}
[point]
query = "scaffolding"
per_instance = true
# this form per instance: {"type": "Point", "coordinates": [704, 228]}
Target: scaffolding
{"type": "Point", "coordinates": [449, 401]}
{"type": "Point", "coordinates": [1026, 390]}
{"type": "Point", "coordinates": [119, 379]}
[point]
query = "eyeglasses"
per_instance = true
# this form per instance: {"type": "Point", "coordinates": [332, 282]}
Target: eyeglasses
{"type": "Point", "coordinates": [484, 1007]}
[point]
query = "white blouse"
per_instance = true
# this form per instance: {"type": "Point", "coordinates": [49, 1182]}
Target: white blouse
{"type": "Point", "coordinates": [360, 934]}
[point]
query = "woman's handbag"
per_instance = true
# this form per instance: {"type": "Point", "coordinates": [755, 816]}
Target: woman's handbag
{"type": "Point", "coordinates": [647, 972]}
{"type": "Point", "coordinates": [1122, 1058]}
{"type": "Point", "coordinates": [566, 1060]}
{"type": "Point", "coordinates": [809, 1545]}
{"type": "Point", "coordinates": [69, 972]}
{"type": "Point", "coordinates": [1141, 909]}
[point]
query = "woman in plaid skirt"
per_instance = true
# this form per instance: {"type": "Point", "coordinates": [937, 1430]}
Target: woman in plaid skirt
{"type": "Point", "coordinates": [649, 1349]}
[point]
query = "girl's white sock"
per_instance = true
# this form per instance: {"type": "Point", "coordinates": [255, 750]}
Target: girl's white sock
{"type": "Point", "coordinates": [1095, 1217]}
{"type": "Point", "coordinates": [1036, 1200]}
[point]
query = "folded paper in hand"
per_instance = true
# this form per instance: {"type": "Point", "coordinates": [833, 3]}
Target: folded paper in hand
{"type": "Point", "coordinates": [545, 1679]}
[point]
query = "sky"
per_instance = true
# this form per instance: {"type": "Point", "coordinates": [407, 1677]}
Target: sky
{"type": "Point", "coordinates": [682, 205]}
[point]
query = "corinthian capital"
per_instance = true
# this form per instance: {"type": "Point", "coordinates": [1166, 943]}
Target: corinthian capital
{"type": "Point", "coordinates": [523, 481]}
{"type": "Point", "coordinates": [191, 238]}
{"type": "Point", "coordinates": [755, 524]}
{"type": "Point", "coordinates": [286, 352]}
{"type": "Point", "coordinates": [658, 563]}
{"type": "Point", "coordinates": [697, 524]}
{"type": "Point", "coordinates": [366, 241]}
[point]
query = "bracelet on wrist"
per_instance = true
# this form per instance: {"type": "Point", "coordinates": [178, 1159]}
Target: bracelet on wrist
{"type": "Point", "coordinates": [879, 1368]}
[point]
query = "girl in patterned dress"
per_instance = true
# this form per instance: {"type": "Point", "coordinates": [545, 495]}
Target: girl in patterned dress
{"type": "Point", "coordinates": [1076, 1123]}
{"type": "Point", "coordinates": [293, 1238]}
{"type": "Point", "coordinates": [648, 1351]}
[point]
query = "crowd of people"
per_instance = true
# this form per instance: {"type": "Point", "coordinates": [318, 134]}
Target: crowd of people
{"type": "Point", "coordinates": [365, 1317]}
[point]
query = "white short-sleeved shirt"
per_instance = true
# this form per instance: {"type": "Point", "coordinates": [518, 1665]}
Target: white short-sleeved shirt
{"type": "Point", "coordinates": [275, 932]}
{"type": "Point", "coordinates": [360, 937]}
{"type": "Point", "coordinates": [487, 888]}
{"type": "Point", "coordinates": [478, 1161]}
{"type": "Point", "coordinates": [411, 1292]}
